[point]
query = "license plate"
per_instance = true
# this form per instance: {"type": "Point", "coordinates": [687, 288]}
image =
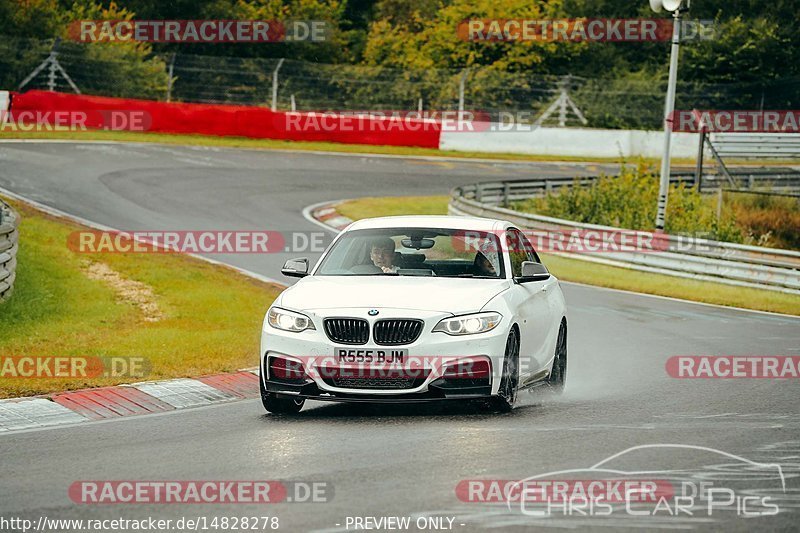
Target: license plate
{"type": "Point", "coordinates": [362, 355]}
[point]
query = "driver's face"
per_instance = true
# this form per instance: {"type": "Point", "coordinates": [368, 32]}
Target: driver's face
{"type": "Point", "coordinates": [486, 266]}
{"type": "Point", "coordinates": [382, 257]}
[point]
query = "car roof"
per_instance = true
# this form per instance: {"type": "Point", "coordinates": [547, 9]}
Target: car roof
{"type": "Point", "coordinates": [431, 221]}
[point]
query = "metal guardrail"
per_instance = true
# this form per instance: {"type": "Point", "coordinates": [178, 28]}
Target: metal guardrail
{"type": "Point", "coordinates": [752, 146]}
{"type": "Point", "coordinates": [756, 145]}
{"type": "Point", "coordinates": [9, 244]}
{"type": "Point", "coordinates": [730, 263]}
{"type": "Point", "coordinates": [504, 192]}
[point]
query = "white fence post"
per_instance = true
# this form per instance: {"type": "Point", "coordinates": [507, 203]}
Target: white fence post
{"type": "Point", "coordinates": [275, 85]}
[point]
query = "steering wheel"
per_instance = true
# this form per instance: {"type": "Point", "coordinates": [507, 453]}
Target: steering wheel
{"type": "Point", "coordinates": [365, 269]}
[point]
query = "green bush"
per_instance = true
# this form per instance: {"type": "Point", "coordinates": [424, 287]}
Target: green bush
{"type": "Point", "coordinates": [629, 201]}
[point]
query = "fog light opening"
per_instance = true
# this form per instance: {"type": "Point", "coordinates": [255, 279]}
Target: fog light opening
{"type": "Point", "coordinates": [474, 369]}
{"type": "Point", "coordinates": [286, 370]}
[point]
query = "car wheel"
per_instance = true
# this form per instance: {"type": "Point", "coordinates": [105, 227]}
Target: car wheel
{"type": "Point", "coordinates": [558, 375]}
{"type": "Point", "coordinates": [283, 406]}
{"type": "Point", "coordinates": [507, 394]}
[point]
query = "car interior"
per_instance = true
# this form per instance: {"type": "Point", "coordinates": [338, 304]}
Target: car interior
{"type": "Point", "coordinates": [440, 253]}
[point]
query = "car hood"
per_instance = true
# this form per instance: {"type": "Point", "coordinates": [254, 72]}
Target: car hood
{"type": "Point", "coordinates": [447, 295]}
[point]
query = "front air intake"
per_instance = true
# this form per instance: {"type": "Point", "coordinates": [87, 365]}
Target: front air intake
{"type": "Point", "coordinates": [396, 331]}
{"type": "Point", "coordinates": [347, 330]}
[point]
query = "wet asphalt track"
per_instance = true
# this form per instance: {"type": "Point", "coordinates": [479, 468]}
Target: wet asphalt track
{"type": "Point", "coordinates": [406, 461]}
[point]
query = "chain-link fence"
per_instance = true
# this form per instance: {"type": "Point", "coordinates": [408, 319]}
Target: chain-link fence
{"type": "Point", "coordinates": [604, 102]}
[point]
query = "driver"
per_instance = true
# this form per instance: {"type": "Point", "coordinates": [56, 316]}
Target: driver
{"type": "Point", "coordinates": [481, 266]}
{"type": "Point", "coordinates": [382, 255]}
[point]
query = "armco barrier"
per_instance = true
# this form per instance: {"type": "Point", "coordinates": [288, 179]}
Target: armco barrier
{"type": "Point", "coordinates": [9, 243]}
{"type": "Point", "coordinates": [503, 192]}
{"type": "Point", "coordinates": [231, 120]}
{"type": "Point", "coordinates": [733, 264]}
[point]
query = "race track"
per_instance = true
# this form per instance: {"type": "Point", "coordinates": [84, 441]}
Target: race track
{"type": "Point", "coordinates": [400, 460]}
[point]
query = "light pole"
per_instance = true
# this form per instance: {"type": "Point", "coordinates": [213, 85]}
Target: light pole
{"type": "Point", "coordinates": [669, 104]}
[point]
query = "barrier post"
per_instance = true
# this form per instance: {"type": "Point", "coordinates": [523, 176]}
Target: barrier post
{"type": "Point", "coordinates": [275, 85]}
{"type": "Point", "coordinates": [169, 77]}
{"type": "Point", "coordinates": [5, 109]}
{"type": "Point", "coordinates": [698, 171]}
{"type": "Point", "coordinates": [461, 84]}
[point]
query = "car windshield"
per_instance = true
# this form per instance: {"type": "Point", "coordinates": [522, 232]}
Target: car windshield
{"type": "Point", "coordinates": [450, 253]}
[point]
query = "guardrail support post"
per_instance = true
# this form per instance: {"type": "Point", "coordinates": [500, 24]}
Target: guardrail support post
{"type": "Point", "coordinates": [506, 193]}
{"type": "Point", "coordinates": [478, 191]}
{"type": "Point", "coordinates": [698, 172]}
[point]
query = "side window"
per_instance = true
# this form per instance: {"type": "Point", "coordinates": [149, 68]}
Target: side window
{"type": "Point", "coordinates": [519, 250]}
{"type": "Point", "coordinates": [528, 247]}
{"type": "Point", "coordinates": [516, 251]}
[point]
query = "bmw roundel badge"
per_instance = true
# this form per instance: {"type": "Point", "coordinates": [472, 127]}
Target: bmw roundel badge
{"type": "Point", "coordinates": [372, 312]}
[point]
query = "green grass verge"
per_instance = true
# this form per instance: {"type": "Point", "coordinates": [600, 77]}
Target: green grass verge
{"type": "Point", "coordinates": [391, 206]}
{"type": "Point", "coordinates": [579, 271]}
{"type": "Point", "coordinates": [275, 144]}
{"type": "Point", "coordinates": [212, 314]}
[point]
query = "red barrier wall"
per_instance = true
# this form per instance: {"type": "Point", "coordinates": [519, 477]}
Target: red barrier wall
{"type": "Point", "coordinates": [230, 120]}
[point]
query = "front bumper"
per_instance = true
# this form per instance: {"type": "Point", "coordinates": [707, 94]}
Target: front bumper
{"type": "Point", "coordinates": [436, 390]}
{"type": "Point", "coordinates": [315, 351]}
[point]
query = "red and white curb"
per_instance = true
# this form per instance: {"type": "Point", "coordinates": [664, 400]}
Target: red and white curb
{"type": "Point", "coordinates": [327, 215]}
{"type": "Point", "coordinates": [126, 400]}
{"type": "Point", "coordinates": [150, 397]}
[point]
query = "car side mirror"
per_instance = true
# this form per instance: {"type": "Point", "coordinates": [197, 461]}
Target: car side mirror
{"type": "Point", "coordinates": [533, 272]}
{"type": "Point", "coordinates": [295, 268]}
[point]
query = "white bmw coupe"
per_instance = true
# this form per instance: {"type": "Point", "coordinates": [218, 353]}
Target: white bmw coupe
{"type": "Point", "coordinates": [416, 308]}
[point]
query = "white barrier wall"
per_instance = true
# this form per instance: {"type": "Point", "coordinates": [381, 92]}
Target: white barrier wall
{"type": "Point", "coordinates": [5, 100]}
{"type": "Point", "coordinates": [580, 142]}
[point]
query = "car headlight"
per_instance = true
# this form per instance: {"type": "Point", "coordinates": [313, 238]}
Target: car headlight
{"type": "Point", "coordinates": [469, 324]}
{"type": "Point", "coordinates": [288, 320]}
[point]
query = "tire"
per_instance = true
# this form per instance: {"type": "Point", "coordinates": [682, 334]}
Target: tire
{"type": "Point", "coordinates": [507, 394]}
{"type": "Point", "coordinates": [276, 405]}
{"type": "Point", "coordinates": [558, 374]}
